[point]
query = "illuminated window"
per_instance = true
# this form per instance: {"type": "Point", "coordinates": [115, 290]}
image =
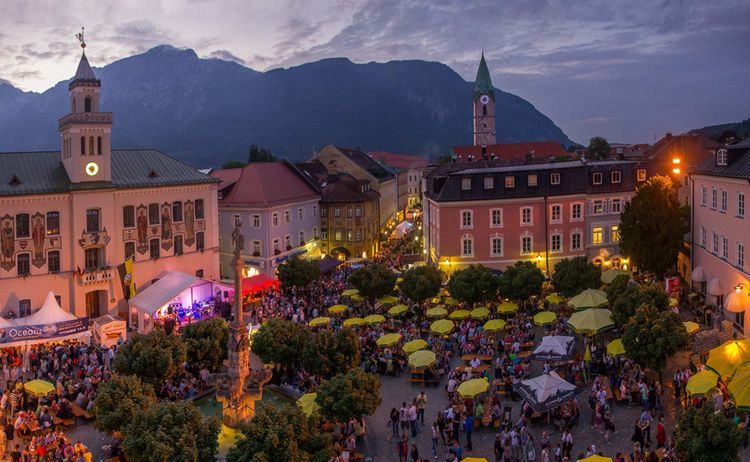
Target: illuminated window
{"type": "Point", "coordinates": [53, 223]}
{"type": "Point", "coordinates": [615, 233]}
{"type": "Point", "coordinates": [531, 180]}
{"type": "Point", "coordinates": [597, 235]}
{"type": "Point", "coordinates": [510, 182]}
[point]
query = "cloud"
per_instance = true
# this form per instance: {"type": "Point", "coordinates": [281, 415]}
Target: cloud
{"type": "Point", "coordinates": [226, 56]}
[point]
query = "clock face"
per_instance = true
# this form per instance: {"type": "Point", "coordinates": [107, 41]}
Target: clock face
{"type": "Point", "coordinates": [484, 99]}
{"type": "Point", "coordinates": [92, 169]}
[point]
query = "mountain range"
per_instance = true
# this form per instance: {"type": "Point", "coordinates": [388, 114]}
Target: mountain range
{"type": "Point", "coordinates": [207, 111]}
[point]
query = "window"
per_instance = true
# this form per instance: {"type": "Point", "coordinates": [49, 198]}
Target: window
{"type": "Point", "coordinates": [358, 212]}
{"type": "Point", "coordinates": [555, 213]}
{"type": "Point", "coordinates": [92, 220]}
{"type": "Point", "coordinates": [300, 214]}
{"type": "Point", "coordinates": [489, 182]}
{"type": "Point", "coordinates": [276, 247]}
{"type": "Point", "coordinates": [256, 221]}
{"type": "Point", "coordinates": [91, 145]}
{"type": "Point", "coordinates": [715, 242]}
{"type": "Point", "coordinates": [527, 244]}
{"type": "Point", "coordinates": [349, 235]}
{"type": "Point", "coordinates": [467, 219]}
{"type": "Point", "coordinates": [575, 241]}
{"type": "Point", "coordinates": [315, 210]}
{"type": "Point", "coordinates": [53, 223]}
{"type": "Point", "coordinates": [531, 180]}
{"type": "Point", "coordinates": [526, 218]}
{"type": "Point", "coordinates": [616, 176]}
{"type": "Point", "coordinates": [554, 178]}
{"type": "Point", "coordinates": [324, 235]}
{"type": "Point", "coordinates": [92, 258]}
{"type": "Point", "coordinates": [496, 218]}
{"type": "Point", "coordinates": [714, 198]}
{"type": "Point", "coordinates": [53, 261]}
{"type": "Point", "coordinates": [153, 248]}
{"type": "Point", "coordinates": [465, 184]}
{"type": "Point", "coordinates": [337, 212]}
{"type": "Point", "coordinates": [22, 225]}
{"type": "Point", "coordinates": [597, 177]}
{"type": "Point", "coordinates": [467, 247]}
{"type": "Point", "coordinates": [128, 216]}
{"type": "Point", "coordinates": [99, 145]}
{"type": "Point", "coordinates": [315, 232]}
{"type": "Point", "coordinates": [177, 211]}
{"type": "Point", "coordinates": [287, 216]}
{"type": "Point", "coordinates": [200, 212]}
{"type": "Point", "coordinates": [510, 182]}
{"type": "Point", "coordinates": [721, 157]}
{"type": "Point", "coordinates": [640, 174]}
{"type": "Point", "coordinates": [496, 246]}
{"type": "Point", "coordinates": [724, 247]}
{"type": "Point", "coordinates": [256, 248]}
{"type": "Point", "coordinates": [301, 238]}
{"type": "Point", "coordinates": [338, 235]}
{"type": "Point", "coordinates": [350, 212]}
{"type": "Point", "coordinates": [129, 250]}
{"type": "Point", "coordinates": [615, 206]}
{"type": "Point", "coordinates": [597, 207]}
{"type": "Point", "coordinates": [358, 235]}
{"type": "Point", "coordinates": [740, 255]}
{"type": "Point", "coordinates": [703, 195]}
{"type": "Point", "coordinates": [87, 104]}
{"type": "Point", "coordinates": [597, 235]}
{"type": "Point", "coordinates": [24, 307]}
{"type": "Point", "coordinates": [741, 205]}
{"type": "Point", "coordinates": [236, 220]}
{"type": "Point", "coordinates": [200, 241]}
{"type": "Point", "coordinates": [323, 212]}
{"type": "Point", "coordinates": [178, 244]}
{"type": "Point", "coordinates": [723, 207]}
{"type": "Point", "coordinates": [556, 243]}
{"type": "Point", "coordinates": [275, 219]}
{"type": "Point", "coordinates": [153, 214]}
{"type": "Point", "coordinates": [614, 233]}
{"type": "Point", "coordinates": [703, 236]}
{"type": "Point", "coordinates": [83, 145]}
{"type": "Point", "coordinates": [575, 212]}
{"type": "Point", "coordinates": [288, 241]}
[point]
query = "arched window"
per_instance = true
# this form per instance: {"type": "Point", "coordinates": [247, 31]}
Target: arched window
{"type": "Point", "coordinates": [91, 145]}
{"type": "Point", "coordinates": [87, 104]}
{"type": "Point", "coordinates": [83, 145]}
{"type": "Point", "coordinates": [99, 145]}
{"type": "Point", "coordinates": [484, 110]}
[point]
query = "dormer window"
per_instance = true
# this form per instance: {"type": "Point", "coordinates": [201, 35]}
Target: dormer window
{"type": "Point", "coordinates": [721, 157]}
{"type": "Point", "coordinates": [465, 184]}
{"type": "Point", "coordinates": [489, 182]}
{"type": "Point", "coordinates": [14, 181]}
{"type": "Point", "coordinates": [597, 178]}
{"type": "Point", "coordinates": [87, 105]}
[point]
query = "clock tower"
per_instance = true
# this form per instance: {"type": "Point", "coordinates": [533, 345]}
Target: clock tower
{"type": "Point", "coordinates": [85, 132]}
{"type": "Point", "coordinates": [484, 107]}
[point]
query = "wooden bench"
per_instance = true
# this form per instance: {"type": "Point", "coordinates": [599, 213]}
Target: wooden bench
{"type": "Point", "coordinates": [414, 380]}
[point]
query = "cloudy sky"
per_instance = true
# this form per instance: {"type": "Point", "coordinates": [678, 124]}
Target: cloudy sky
{"type": "Point", "coordinates": [628, 70]}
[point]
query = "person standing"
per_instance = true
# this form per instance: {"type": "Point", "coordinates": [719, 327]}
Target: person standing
{"type": "Point", "coordinates": [637, 434]}
{"type": "Point", "coordinates": [421, 403]}
{"type": "Point", "coordinates": [413, 419]}
{"type": "Point", "coordinates": [661, 433]}
{"type": "Point", "coordinates": [403, 417]}
{"type": "Point", "coordinates": [414, 452]}
{"type": "Point", "coordinates": [468, 429]}
{"type": "Point", "coordinates": [646, 424]}
{"type": "Point", "coordinates": [9, 429]}
{"type": "Point", "coordinates": [394, 417]}
{"type": "Point", "coordinates": [402, 449]}
{"type": "Point", "coordinates": [435, 433]}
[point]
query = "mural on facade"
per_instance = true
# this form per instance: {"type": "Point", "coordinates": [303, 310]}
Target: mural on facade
{"type": "Point", "coordinates": [166, 226]}
{"type": "Point", "coordinates": [99, 238]}
{"type": "Point", "coordinates": [141, 220]}
{"type": "Point", "coordinates": [189, 223]}
{"type": "Point", "coordinates": [7, 243]}
{"type": "Point", "coordinates": [38, 234]}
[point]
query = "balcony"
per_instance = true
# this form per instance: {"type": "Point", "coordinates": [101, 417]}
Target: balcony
{"type": "Point", "coordinates": [96, 276]}
{"type": "Point", "coordinates": [86, 118]}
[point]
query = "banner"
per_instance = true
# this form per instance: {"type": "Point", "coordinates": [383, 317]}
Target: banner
{"type": "Point", "coordinates": [44, 331]}
{"type": "Point", "coordinates": [126, 278]}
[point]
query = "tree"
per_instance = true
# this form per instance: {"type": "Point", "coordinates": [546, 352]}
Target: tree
{"type": "Point", "coordinates": [625, 304]}
{"type": "Point", "coordinates": [279, 341]}
{"type": "Point", "coordinates": [154, 357]}
{"type": "Point", "coordinates": [445, 159]}
{"type": "Point", "coordinates": [655, 295]}
{"type": "Point", "coordinates": [281, 433]}
{"type": "Point", "coordinates": [206, 343]}
{"type": "Point", "coordinates": [173, 432]}
{"type": "Point", "coordinates": [574, 275]}
{"type": "Point", "coordinates": [233, 164]}
{"type": "Point", "coordinates": [297, 272]}
{"type": "Point", "coordinates": [705, 436]}
{"type": "Point", "coordinates": [353, 394]}
{"type": "Point", "coordinates": [118, 401]}
{"type": "Point", "coordinates": [617, 287]}
{"type": "Point", "coordinates": [521, 280]}
{"type": "Point", "coordinates": [327, 354]}
{"type": "Point", "coordinates": [421, 283]}
{"type": "Point", "coordinates": [473, 284]}
{"type": "Point", "coordinates": [260, 154]}
{"type": "Point", "coordinates": [651, 336]}
{"type": "Point", "coordinates": [651, 228]}
{"type": "Point", "coordinates": [597, 149]}
{"type": "Point", "coordinates": [373, 281]}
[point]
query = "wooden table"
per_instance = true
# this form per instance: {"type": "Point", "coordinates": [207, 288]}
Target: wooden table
{"type": "Point", "coordinates": [486, 358]}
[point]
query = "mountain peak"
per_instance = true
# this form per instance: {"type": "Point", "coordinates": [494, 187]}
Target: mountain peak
{"type": "Point", "coordinates": [170, 50]}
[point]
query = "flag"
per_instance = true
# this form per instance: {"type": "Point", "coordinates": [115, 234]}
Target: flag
{"type": "Point", "coordinates": [126, 277]}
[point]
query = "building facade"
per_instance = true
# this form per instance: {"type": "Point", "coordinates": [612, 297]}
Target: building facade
{"type": "Point", "coordinates": [409, 169]}
{"type": "Point", "coordinates": [68, 219]}
{"type": "Point", "coordinates": [278, 210]}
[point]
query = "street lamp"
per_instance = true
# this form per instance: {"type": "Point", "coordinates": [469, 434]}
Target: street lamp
{"type": "Point", "coordinates": [676, 165]}
{"type": "Point", "coordinates": [738, 288]}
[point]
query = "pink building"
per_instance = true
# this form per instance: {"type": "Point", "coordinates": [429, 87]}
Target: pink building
{"type": "Point", "coordinates": [69, 218]}
{"type": "Point", "coordinates": [720, 230]}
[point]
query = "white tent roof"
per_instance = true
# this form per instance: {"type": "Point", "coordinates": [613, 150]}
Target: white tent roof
{"type": "Point", "coordinates": [548, 385]}
{"type": "Point", "coordinates": [49, 313]}
{"type": "Point", "coordinates": [560, 344]}
{"type": "Point", "coordinates": [162, 291]}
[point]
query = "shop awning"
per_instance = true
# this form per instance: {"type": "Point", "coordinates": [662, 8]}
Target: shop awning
{"type": "Point", "coordinates": [162, 291]}
{"type": "Point", "coordinates": [257, 283]}
{"type": "Point", "coordinates": [714, 287]}
{"type": "Point", "coordinates": [697, 275]}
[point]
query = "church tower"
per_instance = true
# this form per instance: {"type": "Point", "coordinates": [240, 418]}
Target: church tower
{"type": "Point", "coordinates": [484, 107]}
{"type": "Point", "coordinates": [85, 132]}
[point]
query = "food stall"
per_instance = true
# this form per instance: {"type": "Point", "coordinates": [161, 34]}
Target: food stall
{"type": "Point", "coordinates": [109, 330]}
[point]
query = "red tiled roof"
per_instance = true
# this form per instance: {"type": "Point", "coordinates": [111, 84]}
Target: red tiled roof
{"type": "Point", "coordinates": [345, 188]}
{"type": "Point", "coordinates": [263, 184]}
{"type": "Point", "coordinates": [398, 161]}
{"type": "Point", "coordinates": [512, 150]}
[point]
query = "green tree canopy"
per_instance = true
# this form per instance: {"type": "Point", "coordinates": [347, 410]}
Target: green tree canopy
{"type": "Point", "coordinates": [473, 284]}
{"type": "Point", "coordinates": [297, 272]}
{"type": "Point", "coordinates": [655, 295]}
{"type": "Point", "coordinates": [233, 164]}
{"type": "Point", "coordinates": [154, 357]}
{"type": "Point", "coordinates": [574, 275]}
{"type": "Point", "coordinates": [617, 287]}
{"type": "Point", "coordinates": [327, 354]}
{"type": "Point", "coordinates": [421, 283]}
{"type": "Point", "coordinates": [206, 343]}
{"type": "Point", "coordinates": [373, 281]}
{"type": "Point", "coordinates": [705, 436]}
{"type": "Point", "coordinates": [118, 401]}
{"type": "Point", "coordinates": [651, 226]}
{"type": "Point", "coordinates": [279, 341]}
{"type": "Point", "coordinates": [651, 336]}
{"type": "Point", "coordinates": [260, 154]}
{"type": "Point", "coordinates": [171, 432]}
{"type": "Point", "coordinates": [597, 149]}
{"type": "Point", "coordinates": [444, 159]}
{"type": "Point", "coordinates": [625, 304]}
{"type": "Point", "coordinates": [521, 280]}
{"type": "Point", "coordinates": [281, 433]}
{"type": "Point", "coordinates": [353, 394]}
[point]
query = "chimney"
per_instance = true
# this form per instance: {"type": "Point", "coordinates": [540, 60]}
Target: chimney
{"type": "Point", "coordinates": [668, 135]}
{"type": "Point", "coordinates": [484, 151]}
{"type": "Point", "coordinates": [529, 157]}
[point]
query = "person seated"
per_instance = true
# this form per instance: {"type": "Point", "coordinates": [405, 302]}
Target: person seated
{"type": "Point", "coordinates": [65, 410]}
{"type": "Point", "coordinates": [45, 418]}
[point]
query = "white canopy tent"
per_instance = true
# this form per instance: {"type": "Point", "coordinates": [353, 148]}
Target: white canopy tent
{"type": "Point", "coordinates": [554, 348]}
{"type": "Point", "coordinates": [403, 228]}
{"type": "Point", "coordinates": [49, 315]}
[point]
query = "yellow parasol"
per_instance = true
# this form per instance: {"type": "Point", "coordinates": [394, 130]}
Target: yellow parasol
{"type": "Point", "coordinates": [442, 326]}
{"type": "Point", "coordinates": [349, 292]}
{"type": "Point", "coordinates": [388, 339]}
{"type": "Point", "coordinates": [414, 345]}
{"type": "Point", "coordinates": [450, 301]}
{"type": "Point", "coordinates": [591, 321]}
{"type": "Point", "coordinates": [459, 314]}
{"type": "Point", "coordinates": [357, 297]}
{"type": "Point", "coordinates": [727, 357]}
{"type": "Point", "coordinates": [374, 319]}
{"type": "Point", "coordinates": [422, 358]}
{"type": "Point", "coordinates": [691, 327]}
{"type": "Point", "coordinates": [615, 347]}
{"type": "Point", "coordinates": [507, 307]}
{"type": "Point", "coordinates": [554, 299]}
{"type": "Point", "coordinates": [354, 322]}
{"type": "Point", "coordinates": [610, 275]}
{"type": "Point", "coordinates": [494, 325]}
{"type": "Point", "coordinates": [544, 317]}
{"type": "Point", "coordinates": [437, 312]}
{"type": "Point", "coordinates": [589, 298]}
{"type": "Point", "coordinates": [307, 403]}
{"type": "Point", "coordinates": [337, 309]}
{"type": "Point", "coordinates": [387, 300]}
{"type": "Point", "coordinates": [701, 383]}
{"type": "Point", "coordinates": [473, 459]}
{"type": "Point", "coordinates": [594, 458]}
{"type": "Point", "coordinates": [396, 310]}
{"type": "Point", "coordinates": [480, 313]}
{"type": "Point", "coordinates": [39, 387]}
{"type": "Point", "coordinates": [321, 321]}
{"type": "Point", "coordinates": [472, 388]}
{"type": "Point", "coordinates": [739, 388]}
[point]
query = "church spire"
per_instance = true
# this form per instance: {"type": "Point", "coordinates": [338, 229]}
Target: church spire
{"type": "Point", "coordinates": [483, 82]}
{"type": "Point", "coordinates": [84, 74]}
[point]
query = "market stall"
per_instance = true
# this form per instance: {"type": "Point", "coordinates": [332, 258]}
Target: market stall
{"type": "Point", "coordinates": [109, 330]}
{"type": "Point", "coordinates": [49, 323]}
